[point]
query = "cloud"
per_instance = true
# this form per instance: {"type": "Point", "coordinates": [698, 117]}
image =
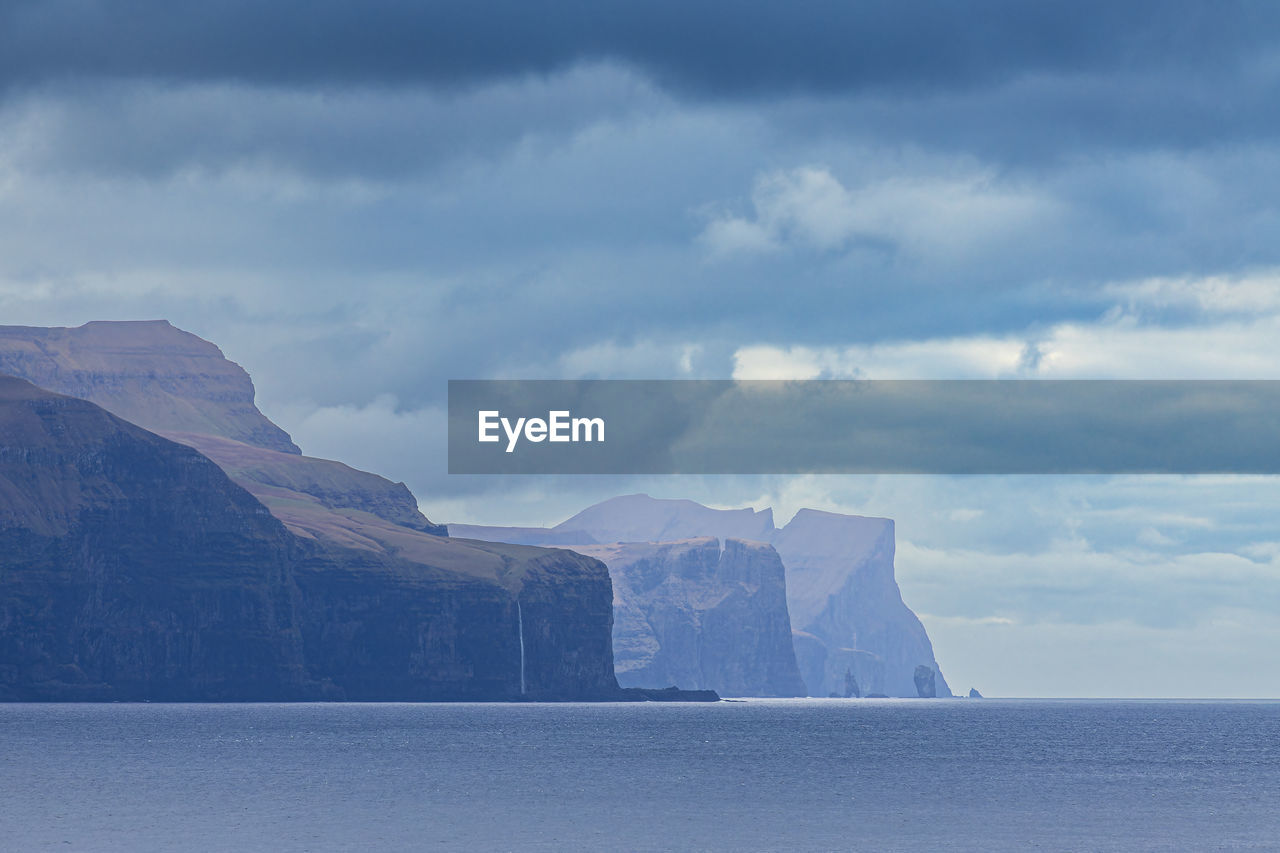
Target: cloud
{"type": "Point", "coordinates": [809, 208]}
{"type": "Point", "coordinates": [1233, 333]}
{"type": "Point", "coordinates": [707, 46]}
{"type": "Point", "coordinates": [376, 437]}
{"type": "Point", "coordinates": [153, 130]}
{"type": "Point", "coordinates": [1153, 538]}
{"type": "Point", "coordinates": [1241, 293]}
{"type": "Point", "coordinates": [1228, 653]}
{"type": "Point", "coordinates": [947, 358]}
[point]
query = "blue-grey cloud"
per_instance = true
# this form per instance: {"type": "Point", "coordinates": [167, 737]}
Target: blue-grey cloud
{"type": "Point", "coordinates": [711, 46]}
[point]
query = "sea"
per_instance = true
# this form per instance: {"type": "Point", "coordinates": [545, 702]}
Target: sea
{"type": "Point", "coordinates": [767, 775]}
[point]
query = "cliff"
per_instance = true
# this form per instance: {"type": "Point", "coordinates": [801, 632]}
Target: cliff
{"type": "Point", "coordinates": [174, 383]}
{"type": "Point", "coordinates": [844, 604]}
{"type": "Point", "coordinates": [388, 629]}
{"type": "Point", "coordinates": [842, 591]}
{"type": "Point", "coordinates": [132, 567]}
{"type": "Point", "coordinates": [695, 614]}
{"type": "Point", "coordinates": [701, 613]}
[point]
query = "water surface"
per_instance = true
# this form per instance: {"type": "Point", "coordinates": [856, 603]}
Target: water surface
{"type": "Point", "coordinates": [757, 775]}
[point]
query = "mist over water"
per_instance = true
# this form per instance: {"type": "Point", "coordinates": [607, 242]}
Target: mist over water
{"type": "Point", "coordinates": [754, 775]}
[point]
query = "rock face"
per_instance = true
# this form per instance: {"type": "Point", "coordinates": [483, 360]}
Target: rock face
{"type": "Point", "coordinates": [701, 613]}
{"type": "Point", "coordinates": [132, 567]}
{"type": "Point", "coordinates": [701, 616]}
{"type": "Point", "coordinates": [844, 602]}
{"type": "Point", "coordinates": [842, 591]}
{"type": "Point", "coordinates": [390, 629]}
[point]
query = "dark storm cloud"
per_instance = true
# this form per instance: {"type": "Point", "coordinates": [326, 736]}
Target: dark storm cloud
{"type": "Point", "coordinates": [151, 130]}
{"type": "Point", "coordinates": [239, 167]}
{"type": "Point", "coordinates": [709, 46]}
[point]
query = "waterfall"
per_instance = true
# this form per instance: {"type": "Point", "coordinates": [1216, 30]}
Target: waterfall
{"type": "Point", "coordinates": [520, 622]}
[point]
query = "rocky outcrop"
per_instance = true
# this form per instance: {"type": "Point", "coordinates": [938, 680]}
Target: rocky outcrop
{"type": "Point", "coordinates": [702, 615]}
{"type": "Point", "coordinates": [132, 567]}
{"type": "Point", "coordinates": [843, 600]}
{"type": "Point", "coordinates": [926, 682]}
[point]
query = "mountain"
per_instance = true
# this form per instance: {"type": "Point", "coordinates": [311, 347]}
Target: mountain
{"type": "Point", "coordinates": [366, 548]}
{"type": "Point", "coordinates": [180, 386]}
{"type": "Point", "coordinates": [701, 615]}
{"type": "Point", "coordinates": [132, 567]}
{"type": "Point", "coordinates": [148, 373]}
{"type": "Point", "coordinates": [850, 622]}
{"type": "Point", "coordinates": [640, 518]}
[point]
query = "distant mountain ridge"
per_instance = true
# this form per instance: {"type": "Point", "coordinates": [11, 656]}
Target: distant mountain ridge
{"type": "Point", "coordinates": [640, 518]}
{"type": "Point", "coordinates": [845, 608]}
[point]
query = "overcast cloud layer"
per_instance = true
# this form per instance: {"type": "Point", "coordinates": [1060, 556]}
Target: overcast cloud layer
{"type": "Point", "coordinates": [361, 201]}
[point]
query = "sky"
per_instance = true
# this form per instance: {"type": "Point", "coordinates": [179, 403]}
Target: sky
{"type": "Point", "coordinates": [358, 202]}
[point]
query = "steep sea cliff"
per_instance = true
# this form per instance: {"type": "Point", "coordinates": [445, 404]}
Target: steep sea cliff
{"type": "Point", "coordinates": [702, 614]}
{"type": "Point", "coordinates": [383, 604]}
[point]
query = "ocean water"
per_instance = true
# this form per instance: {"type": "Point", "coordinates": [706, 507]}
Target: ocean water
{"type": "Point", "coordinates": [757, 775]}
